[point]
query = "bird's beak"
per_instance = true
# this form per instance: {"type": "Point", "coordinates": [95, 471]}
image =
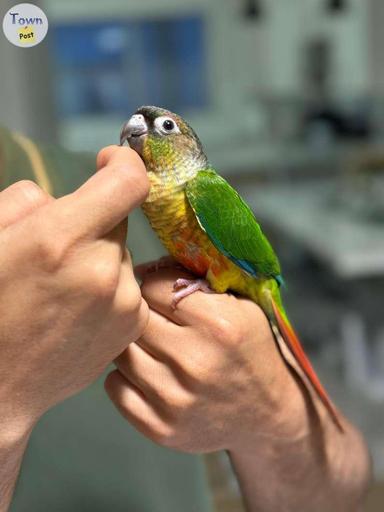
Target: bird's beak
{"type": "Point", "coordinates": [134, 131]}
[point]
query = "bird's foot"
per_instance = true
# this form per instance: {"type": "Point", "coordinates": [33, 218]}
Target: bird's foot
{"type": "Point", "coordinates": [184, 287]}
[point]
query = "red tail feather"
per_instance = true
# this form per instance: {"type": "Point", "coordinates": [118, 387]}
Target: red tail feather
{"type": "Point", "coordinates": [297, 350]}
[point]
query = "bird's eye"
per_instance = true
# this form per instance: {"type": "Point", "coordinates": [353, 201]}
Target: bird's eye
{"type": "Point", "coordinates": [166, 125]}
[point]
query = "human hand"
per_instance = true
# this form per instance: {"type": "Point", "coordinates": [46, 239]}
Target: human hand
{"type": "Point", "coordinates": [207, 375]}
{"type": "Point", "coordinates": [69, 301]}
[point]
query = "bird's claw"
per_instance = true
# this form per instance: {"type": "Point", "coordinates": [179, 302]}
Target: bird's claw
{"type": "Point", "coordinates": [184, 287]}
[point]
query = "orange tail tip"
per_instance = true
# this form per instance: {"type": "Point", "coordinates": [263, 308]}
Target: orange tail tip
{"type": "Point", "coordinates": [295, 347]}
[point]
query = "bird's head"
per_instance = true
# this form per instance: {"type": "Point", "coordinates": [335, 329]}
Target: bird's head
{"type": "Point", "coordinates": [165, 142]}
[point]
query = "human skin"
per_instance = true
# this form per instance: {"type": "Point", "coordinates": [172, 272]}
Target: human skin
{"type": "Point", "coordinates": [208, 376]}
{"type": "Point", "coordinates": [69, 300]}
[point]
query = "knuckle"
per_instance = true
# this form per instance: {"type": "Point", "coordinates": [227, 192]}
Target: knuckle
{"type": "Point", "coordinates": [29, 189]}
{"type": "Point", "coordinates": [130, 303]}
{"type": "Point", "coordinates": [227, 332]}
{"type": "Point", "coordinates": [133, 300]}
{"type": "Point", "coordinates": [103, 277]}
{"type": "Point", "coordinates": [164, 435]}
{"type": "Point", "coordinates": [134, 318]}
{"type": "Point", "coordinates": [198, 373]}
{"type": "Point", "coordinates": [180, 403]}
{"type": "Point", "coordinates": [50, 252]}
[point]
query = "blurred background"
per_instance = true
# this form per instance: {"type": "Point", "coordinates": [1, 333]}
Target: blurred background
{"type": "Point", "coordinates": [288, 99]}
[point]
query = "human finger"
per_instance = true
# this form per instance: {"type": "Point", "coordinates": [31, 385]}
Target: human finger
{"type": "Point", "coordinates": [146, 372]}
{"type": "Point", "coordinates": [19, 200]}
{"type": "Point", "coordinates": [107, 197]}
{"type": "Point", "coordinates": [135, 407]}
{"type": "Point", "coordinates": [158, 290]}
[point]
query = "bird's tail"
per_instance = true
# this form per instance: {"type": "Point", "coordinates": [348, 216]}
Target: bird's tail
{"type": "Point", "coordinates": [279, 319]}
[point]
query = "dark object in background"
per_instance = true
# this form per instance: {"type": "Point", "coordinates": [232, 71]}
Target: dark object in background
{"type": "Point", "coordinates": [336, 6]}
{"type": "Point", "coordinates": [317, 56]}
{"type": "Point", "coordinates": [253, 9]}
{"type": "Point", "coordinates": [342, 124]}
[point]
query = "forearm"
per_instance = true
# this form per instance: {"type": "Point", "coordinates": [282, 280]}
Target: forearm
{"type": "Point", "coordinates": [323, 470]}
{"type": "Point", "coordinates": [13, 442]}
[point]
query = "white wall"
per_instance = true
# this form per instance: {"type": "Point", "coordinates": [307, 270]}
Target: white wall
{"type": "Point", "coordinates": [290, 25]}
{"type": "Point", "coordinates": [248, 62]}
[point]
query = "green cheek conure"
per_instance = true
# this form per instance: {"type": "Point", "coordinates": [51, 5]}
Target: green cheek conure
{"type": "Point", "coordinates": [207, 227]}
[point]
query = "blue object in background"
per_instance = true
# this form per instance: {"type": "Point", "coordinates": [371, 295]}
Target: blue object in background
{"type": "Point", "coordinates": [112, 67]}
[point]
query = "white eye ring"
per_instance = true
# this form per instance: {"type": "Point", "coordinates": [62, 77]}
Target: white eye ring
{"type": "Point", "coordinates": [161, 125]}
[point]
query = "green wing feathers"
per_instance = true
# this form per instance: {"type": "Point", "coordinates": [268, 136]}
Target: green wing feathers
{"type": "Point", "coordinates": [231, 225]}
{"type": "Point", "coordinates": [233, 229]}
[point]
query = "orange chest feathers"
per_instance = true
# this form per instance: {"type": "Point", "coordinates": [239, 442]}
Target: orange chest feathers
{"type": "Point", "coordinates": [176, 225]}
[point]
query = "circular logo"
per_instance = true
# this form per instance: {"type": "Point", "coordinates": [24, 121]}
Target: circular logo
{"type": "Point", "coordinates": [25, 25]}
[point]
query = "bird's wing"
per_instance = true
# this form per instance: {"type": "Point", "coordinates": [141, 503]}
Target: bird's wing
{"type": "Point", "coordinates": [230, 224]}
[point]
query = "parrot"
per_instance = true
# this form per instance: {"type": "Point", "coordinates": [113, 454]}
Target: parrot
{"type": "Point", "coordinates": [208, 228]}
